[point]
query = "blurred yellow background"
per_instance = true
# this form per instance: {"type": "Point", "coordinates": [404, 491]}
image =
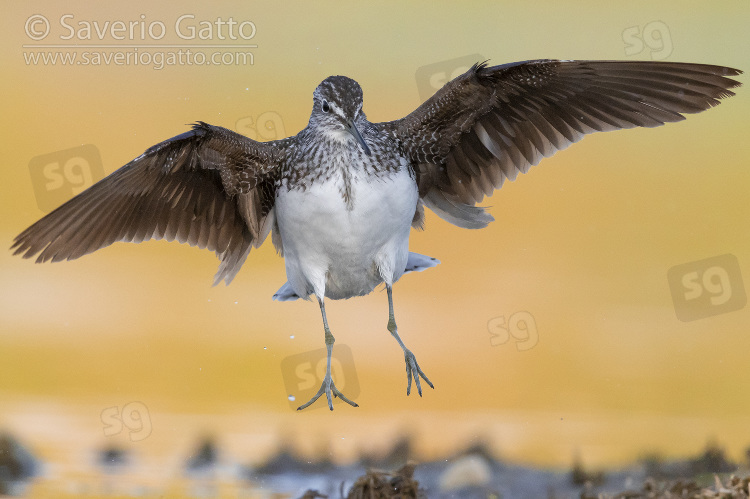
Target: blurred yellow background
{"type": "Point", "coordinates": [581, 245]}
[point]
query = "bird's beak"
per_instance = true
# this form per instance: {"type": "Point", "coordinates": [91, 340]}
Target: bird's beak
{"type": "Point", "coordinates": [353, 130]}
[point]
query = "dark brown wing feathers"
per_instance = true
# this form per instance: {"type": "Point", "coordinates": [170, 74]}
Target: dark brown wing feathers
{"type": "Point", "coordinates": [188, 188]}
{"type": "Point", "coordinates": [493, 122]}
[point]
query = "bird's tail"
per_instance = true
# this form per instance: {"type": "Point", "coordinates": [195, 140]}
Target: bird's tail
{"type": "Point", "coordinates": [418, 263]}
{"type": "Point", "coordinates": [415, 263]}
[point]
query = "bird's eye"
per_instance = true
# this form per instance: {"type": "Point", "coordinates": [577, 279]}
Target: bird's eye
{"type": "Point", "coordinates": [325, 107]}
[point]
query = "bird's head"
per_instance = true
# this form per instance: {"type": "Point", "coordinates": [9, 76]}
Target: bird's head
{"type": "Point", "coordinates": [337, 109]}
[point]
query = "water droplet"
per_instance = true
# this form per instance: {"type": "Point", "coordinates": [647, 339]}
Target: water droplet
{"type": "Point", "coordinates": [291, 398]}
{"type": "Point", "coordinates": [265, 348]}
{"type": "Point", "coordinates": [291, 336]}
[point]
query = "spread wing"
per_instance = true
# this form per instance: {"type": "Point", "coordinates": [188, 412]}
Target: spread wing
{"type": "Point", "coordinates": [209, 187]}
{"type": "Point", "coordinates": [491, 123]}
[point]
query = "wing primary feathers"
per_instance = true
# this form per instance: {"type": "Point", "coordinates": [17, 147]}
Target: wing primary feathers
{"type": "Point", "coordinates": [185, 188]}
{"type": "Point", "coordinates": [496, 121]}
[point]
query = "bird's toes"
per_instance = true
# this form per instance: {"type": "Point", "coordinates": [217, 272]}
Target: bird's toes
{"type": "Point", "coordinates": [413, 371]}
{"type": "Point", "coordinates": [424, 377]}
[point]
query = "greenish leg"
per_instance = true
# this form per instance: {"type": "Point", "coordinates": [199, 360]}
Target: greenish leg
{"type": "Point", "coordinates": [412, 368]}
{"type": "Point", "coordinates": [328, 387]}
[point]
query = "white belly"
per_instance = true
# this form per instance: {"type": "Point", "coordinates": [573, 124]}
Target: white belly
{"type": "Point", "coordinates": [341, 249]}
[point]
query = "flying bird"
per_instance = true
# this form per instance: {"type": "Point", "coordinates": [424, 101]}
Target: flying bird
{"type": "Point", "coordinates": [341, 197]}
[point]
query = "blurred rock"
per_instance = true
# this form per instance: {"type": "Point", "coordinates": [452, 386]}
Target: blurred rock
{"type": "Point", "coordinates": [205, 458]}
{"type": "Point", "coordinates": [397, 456]}
{"type": "Point", "coordinates": [287, 461]}
{"type": "Point", "coordinates": [111, 458]}
{"type": "Point", "coordinates": [482, 450]}
{"type": "Point", "coordinates": [17, 465]}
{"type": "Point", "coordinates": [472, 470]}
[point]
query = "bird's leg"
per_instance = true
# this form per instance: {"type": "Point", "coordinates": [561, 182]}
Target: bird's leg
{"type": "Point", "coordinates": [328, 387]}
{"type": "Point", "coordinates": [412, 368]}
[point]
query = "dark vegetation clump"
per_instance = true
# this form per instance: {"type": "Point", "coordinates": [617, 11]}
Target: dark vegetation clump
{"type": "Point", "coordinates": [732, 488]}
{"type": "Point", "coordinates": [313, 494]}
{"type": "Point", "coordinates": [387, 485]}
{"type": "Point", "coordinates": [713, 459]}
{"type": "Point", "coordinates": [581, 476]}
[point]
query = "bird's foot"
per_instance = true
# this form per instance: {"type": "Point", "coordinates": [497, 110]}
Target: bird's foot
{"type": "Point", "coordinates": [413, 371]}
{"type": "Point", "coordinates": [329, 388]}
